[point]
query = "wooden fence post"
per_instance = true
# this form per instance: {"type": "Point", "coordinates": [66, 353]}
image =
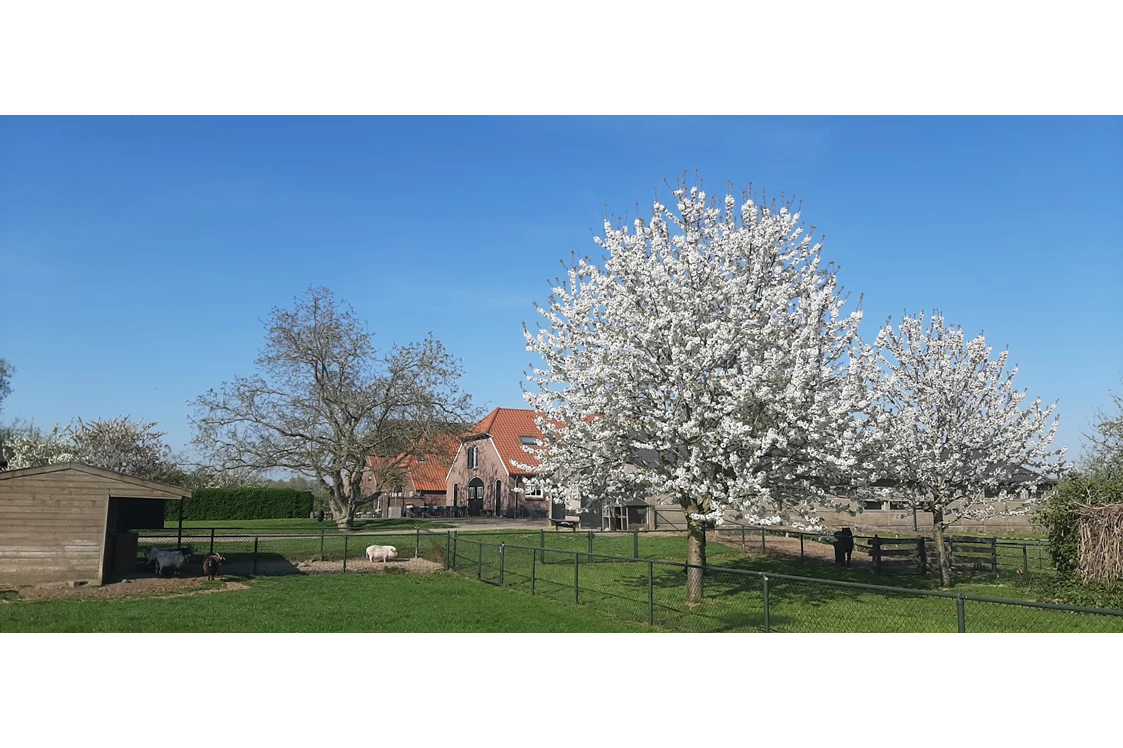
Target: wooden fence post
{"type": "Point", "coordinates": [875, 546]}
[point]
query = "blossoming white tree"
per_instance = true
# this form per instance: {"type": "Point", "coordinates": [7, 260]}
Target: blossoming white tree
{"type": "Point", "coordinates": [713, 341]}
{"type": "Point", "coordinates": [120, 444]}
{"type": "Point", "coordinates": [951, 430]}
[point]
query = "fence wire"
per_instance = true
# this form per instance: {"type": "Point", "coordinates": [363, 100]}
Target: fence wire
{"type": "Point", "coordinates": [608, 572]}
{"type": "Point", "coordinates": [731, 600]}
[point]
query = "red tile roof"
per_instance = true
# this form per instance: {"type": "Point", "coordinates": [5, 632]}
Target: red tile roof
{"type": "Point", "coordinates": [428, 474]}
{"type": "Point", "coordinates": [505, 426]}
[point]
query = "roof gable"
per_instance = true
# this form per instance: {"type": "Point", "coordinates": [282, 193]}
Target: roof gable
{"type": "Point", "coordinates": [505, 426]}
{"type": "Point", "coordinates": [157, 488]}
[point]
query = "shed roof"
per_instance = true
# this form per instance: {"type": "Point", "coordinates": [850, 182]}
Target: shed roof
{"type": "Point", "coordinates": [158, 490]}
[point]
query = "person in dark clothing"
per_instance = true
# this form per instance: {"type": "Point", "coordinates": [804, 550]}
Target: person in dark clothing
{"type": "Point", "coordinates": [843, 546]}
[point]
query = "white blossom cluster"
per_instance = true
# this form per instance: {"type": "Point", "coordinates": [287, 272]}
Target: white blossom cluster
{"type": "Point", "coordinates": [706, 357]}
{"type": "Point", "coordinates": [119, 444]}
{"type": "Point", "coordinates": [949, 427]}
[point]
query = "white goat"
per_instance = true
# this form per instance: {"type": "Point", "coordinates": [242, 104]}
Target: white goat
{"type": "Point", "coordinates": [169, 560]}
{"type": "Point", "coordinates": [381, 552]}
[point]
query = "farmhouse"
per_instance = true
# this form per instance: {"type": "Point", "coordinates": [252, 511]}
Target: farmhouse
{"type": "Point", "coordinates": [72, 522]}
{"type": "Point", "coordinates": [417, 477]}
{"type": "Point", "coordinates": [484, 477]}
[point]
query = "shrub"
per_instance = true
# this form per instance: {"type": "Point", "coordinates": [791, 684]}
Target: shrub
{"type": "Point", "coordinates": [243, 502]}
{"type": "Point", "coordinates": [1057, 516]}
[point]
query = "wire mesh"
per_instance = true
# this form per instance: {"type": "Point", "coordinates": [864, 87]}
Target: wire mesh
{"type": "Point", "coordinates": [986, 616]}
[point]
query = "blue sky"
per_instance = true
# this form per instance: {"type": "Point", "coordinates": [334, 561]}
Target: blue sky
{"type": "Point", "coordinates": [139, 255]}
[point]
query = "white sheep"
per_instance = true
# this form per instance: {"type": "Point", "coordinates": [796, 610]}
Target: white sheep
{"type": "Point", "coordinates": [381, 552]}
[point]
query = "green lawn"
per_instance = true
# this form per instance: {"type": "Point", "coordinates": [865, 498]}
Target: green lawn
{"type": "Point", "coordinates": [542, 564]}
{"type": "Point", "coordinates": [735, 602]}
{"type": "Point", "coordinates": [353, 603]}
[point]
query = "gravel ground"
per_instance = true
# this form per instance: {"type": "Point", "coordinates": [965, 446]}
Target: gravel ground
{"type": "Point", "coordinates": [194, 585]}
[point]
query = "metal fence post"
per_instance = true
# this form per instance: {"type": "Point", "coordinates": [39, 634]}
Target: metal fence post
{"type": "Point", "coordinates": [454, 557]}
{"type": "Point", "coordinates": [502, 556]}
{"type": "Point", "coordinates": [576, 580]}
{"type": "Point", "coordinates": [961, 613]}
{"type": "Point", "coordinates": [479, 560]}
{"type": "Point", "coordinates": [448, 541]}
{"type": "Point", "coordinates": [742, 537]}
{"type": "Point", "coordinates": [417, 543]}
{"type": "Point", "coordinates": [767, 612]}
{"type": "Point", "coordinates": [1025, 563]}
{"type": "Point", "coordinates": [650, 593]}
{"type": "Point", "coordinates": [212, 540]}
{"type": "Point", "coordinates": [345, 539]}
{"type": "Point", "coordinates": [321, 545]}
{"type": "Point", "coordinates": [254, 555]}
{"type": "Point", "coordinates": [533, 570]}
{"type": "Point", "coordinates": [635, 543]}
{"type": "Point", "coordinates": [590, 536]}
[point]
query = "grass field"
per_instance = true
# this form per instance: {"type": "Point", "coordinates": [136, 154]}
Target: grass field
{"type": "Point", "coordinates": [355, 603]}
{"type": "Point", "coordinates": [735, 602]}
{"type": "Point", "coordinates": [608, 591]}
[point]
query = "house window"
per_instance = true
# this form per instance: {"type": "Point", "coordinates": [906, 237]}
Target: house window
{"type": "Point", "coordinates": [532, 489]}
{"type": "Point", "coordinates": [898, 506]}
{"type": "Point", "coordinates": [528, 441]}
{"type": "Point", "coordinates": [868, 505]}
{"type": "Point", "coordinates": [473, 457]}
{"type": "Point", "coordinates": [421, 458]}
{"type": "Point", "coordinates": [397, 491]}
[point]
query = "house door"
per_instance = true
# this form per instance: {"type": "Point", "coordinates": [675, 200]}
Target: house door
{"type": "Point", "coordinates": [475, 497]}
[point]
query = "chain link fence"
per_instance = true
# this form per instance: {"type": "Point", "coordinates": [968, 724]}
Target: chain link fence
{"type": "Point", "coordinates": [655, 592]}
{"type": "Point", "coordinates": [291, 553]}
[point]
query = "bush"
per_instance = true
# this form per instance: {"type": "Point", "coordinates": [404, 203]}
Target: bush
{"type": "Point", "coordinates": [243, 502]}
{"type": "Point", "coordinates": [1059, 520]}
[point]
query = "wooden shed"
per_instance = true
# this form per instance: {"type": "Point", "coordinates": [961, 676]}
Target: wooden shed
{"type": "Point", "coordinates": [72, 522]}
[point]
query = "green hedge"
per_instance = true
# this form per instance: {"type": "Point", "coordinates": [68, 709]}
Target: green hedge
{"type": "Point", "coordinates": [243, 503]}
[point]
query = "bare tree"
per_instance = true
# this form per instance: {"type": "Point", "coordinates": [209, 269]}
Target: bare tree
{"type": "Point", "coordinates": [324, 400]}
{"type": "Point", "coordinates": [6, 371]}
{"type": "Point", "coordinates": [1104, 443]}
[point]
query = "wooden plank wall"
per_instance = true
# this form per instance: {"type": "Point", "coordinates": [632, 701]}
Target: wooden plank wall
{"type": "Point", "coordinates": [52, 527]}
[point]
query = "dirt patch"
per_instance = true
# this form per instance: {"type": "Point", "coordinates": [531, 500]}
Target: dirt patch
{"type": "Point", "coordinates": [788, 548]}
{"type": "Point", "coordinates": [363, 566]}
{"type": "Point", "coordinates": [154, 586]}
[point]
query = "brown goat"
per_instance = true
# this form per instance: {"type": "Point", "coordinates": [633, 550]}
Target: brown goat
{"type": "Point", "coordinates": [211, 562]}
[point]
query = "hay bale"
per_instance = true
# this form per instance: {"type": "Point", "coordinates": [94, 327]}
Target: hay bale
{"type": "Point", "coordinates": [1100, 543]}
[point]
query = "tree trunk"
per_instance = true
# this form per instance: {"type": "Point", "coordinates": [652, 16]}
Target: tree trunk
{"type": "Point", "coordinates": [342, 513]}
{"type": "Point", "coordinates": [938, 527]}
{"type": "Point", "coordinates": [695, 554]}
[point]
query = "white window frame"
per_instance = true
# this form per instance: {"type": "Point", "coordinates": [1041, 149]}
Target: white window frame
{"type": "Point", "coordinates": [533, 489]}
